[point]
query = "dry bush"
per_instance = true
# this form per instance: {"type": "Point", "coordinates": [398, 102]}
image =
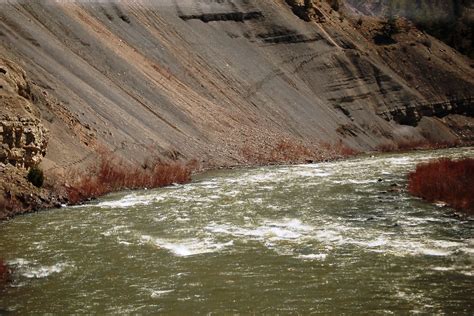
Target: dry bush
{"type": "Point", "coordinates": [113, 174]}
{"type": "Point", "coordinates": [335, 151]}
{"type": "Point", "coordinates": [445, 180]}
{"type": "Point", "coordinates": [285, 150]}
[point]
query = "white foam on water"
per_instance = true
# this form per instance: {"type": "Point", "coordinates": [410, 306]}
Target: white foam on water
{"type": "Point", "coordinates": [352, 181]}
{"type": "Point", "coordinates": [278, 233]}
{"type": "Point", "coordinates": [371, 243]}
{"type": "Point", "coordinates": [19, 262]}
{"type": "Point", "coordinates": [469, 273]}
{"type": "Point", "coordinates": [32, 270]}
{"type": "Point", "coordinates": [182, 219]}
{"type": "Point", "coordinates": [266, 187]}
{"type": "Point", "coordinates": [130, 201]}
{"type": "Point", "coordinates": [258, 178]}
{"type": "Point", "coordinates": [208, 184]}
{"type": "Point", "coordinates": [160, 293]}
{"type": "Point", "coordinates": [417, 299]}
{"type": "Point", "coordinates": [314, 256]}
{"type": "Point", "coordinates": [415, 221]}
{"type": "Point", "coordinates": [434, 252]}
{"type": "Point", "coordinates": [145, 239]}
{"type": "Point", "coordinates": [214, 197]}
{"type": "Point", "coordinates": [447, 244]}
{"type": "Point", "coordinates": [469, 251]}
{"type": "Point", "coordinates": [310, 173]}
{"type": "Point", "coordinates": [287, 229]}
{"type": "Point", "coordinates": [329, 236]}
{"type": "Point", "coordinates": [160, 219]}
{"type": "Point", "coordinates": [190, 247]}
{"type": "Point", "coordinates": [115, 230]}
{"type": "Point", "coordinates": [442, 269]}
{"type": "Point", "coordinates": [234, 193]}
{"type": "Point", "coordinates": [404, 247]}
{"type": "Point", "coordinates": [45, 271]}
{"type": "Point", "coordinates": [400, 161]}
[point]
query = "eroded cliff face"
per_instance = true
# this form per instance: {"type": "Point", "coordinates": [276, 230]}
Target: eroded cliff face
{"type": "Point", "coordinates": [23, 138]}
{"type": "Point", "coordinates": [24, 141]}
{"type": "Point", "coordinates": [222, 80]}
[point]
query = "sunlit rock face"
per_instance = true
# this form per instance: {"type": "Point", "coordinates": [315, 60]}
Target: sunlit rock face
{"type": "Point", "coordinates": [23, 138]}
{"type": "Point", "coordinates": [24, 141]}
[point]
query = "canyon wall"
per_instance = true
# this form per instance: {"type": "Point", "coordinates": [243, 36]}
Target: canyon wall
{"type": "Point", "coordinates": [219, 81]}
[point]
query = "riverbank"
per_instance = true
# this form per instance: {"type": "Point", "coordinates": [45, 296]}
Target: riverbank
{"type": "Point", "coordinates": [111, 174]}
{"type": "Point", "coordinates": [19, 196]}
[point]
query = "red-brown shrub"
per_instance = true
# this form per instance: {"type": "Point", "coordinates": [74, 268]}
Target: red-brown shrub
{"type": "Point", "coordinates": [113, 174]}
{"type": "Point", "coordinates": [450, 181]}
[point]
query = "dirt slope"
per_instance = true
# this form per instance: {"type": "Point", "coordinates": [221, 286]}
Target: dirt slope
{"type": "Point", "coordinates": [220, 80]}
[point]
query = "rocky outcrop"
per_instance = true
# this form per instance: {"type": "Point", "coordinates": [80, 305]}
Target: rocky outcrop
{"type": "Point", "coordinates": [23, 141]}
{"type": "Point", "coordinates": [18, 196]}
{"type": "Point", "coordinates": [411, 114]}
{"type": "Point", "coordinates": [307, 10]}
{"type": "Point", "coordinates": [23, 138]}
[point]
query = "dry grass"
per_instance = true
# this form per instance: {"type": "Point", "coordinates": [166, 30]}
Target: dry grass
{"type": "Point", "coordinates": [286, 151]}
{"type": "Point", "coordinates": [445, 180]}
{"type": "Point", "coordinates": [113, 174]}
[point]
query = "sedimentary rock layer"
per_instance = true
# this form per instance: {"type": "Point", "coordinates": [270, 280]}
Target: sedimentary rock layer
{"type": "Point", "coordinates": [207, 79]}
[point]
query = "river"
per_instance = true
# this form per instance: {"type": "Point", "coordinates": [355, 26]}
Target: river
{"type": "Point", "coordinates": [319, 238]}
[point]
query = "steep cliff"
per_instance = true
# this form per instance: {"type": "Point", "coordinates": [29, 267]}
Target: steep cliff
{"type": "Point", "coordinates": [225, 81]}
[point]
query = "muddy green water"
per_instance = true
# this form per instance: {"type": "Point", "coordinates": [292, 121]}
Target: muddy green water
{"type": "Point", "coordinates": [322, 238]}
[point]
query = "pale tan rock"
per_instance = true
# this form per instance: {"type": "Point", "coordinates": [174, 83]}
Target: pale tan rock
{"type": "Point", "coordinates": [23, 138]}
